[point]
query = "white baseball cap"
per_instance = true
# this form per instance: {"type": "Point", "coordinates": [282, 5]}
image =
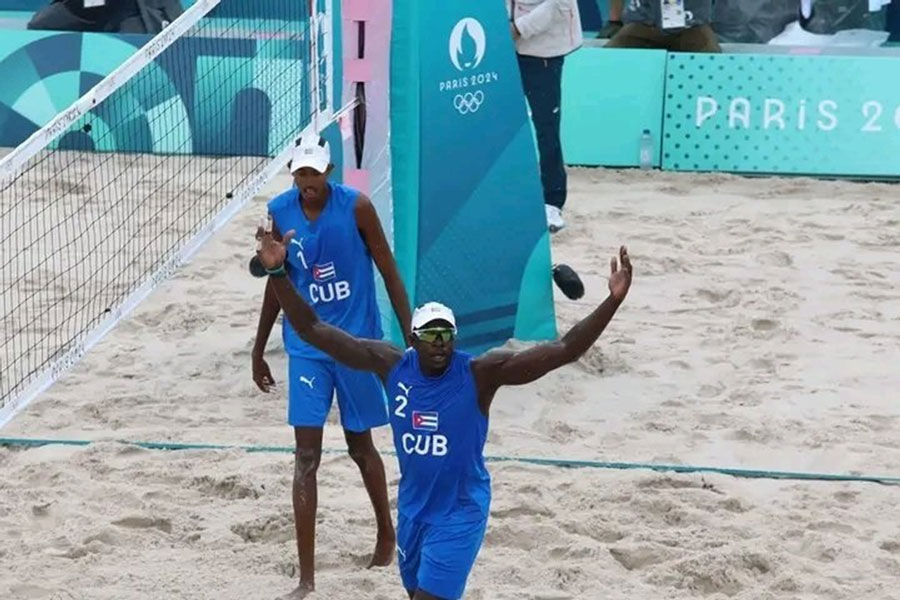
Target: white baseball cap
{"type": "Point", "coordinates": [432, 311]}
{"type": "Point", "coordinates": [311, 151]}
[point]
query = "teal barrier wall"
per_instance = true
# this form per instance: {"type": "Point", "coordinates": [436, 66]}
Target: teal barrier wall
{"type": "Point", "coordinates": [228, 104]}
{"type": "Point", "coordinates": [223, 103]}
{"type": "Point", "coordinates": [821, 115]}
{"type": "Point", "coordinates": [609, 97]}
{"type": "Point", "coordinates": [833, 115]}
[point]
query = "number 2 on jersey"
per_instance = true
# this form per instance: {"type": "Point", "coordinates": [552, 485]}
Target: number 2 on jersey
{"type": "Point", "coordinates": [399, 411]}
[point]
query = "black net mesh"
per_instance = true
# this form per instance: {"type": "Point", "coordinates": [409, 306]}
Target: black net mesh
{"type": "Point", "coordinates": [97, 213]}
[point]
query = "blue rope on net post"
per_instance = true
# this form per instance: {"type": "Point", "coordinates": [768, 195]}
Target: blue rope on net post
{"type": "Point", "coordinates": [546, 462]}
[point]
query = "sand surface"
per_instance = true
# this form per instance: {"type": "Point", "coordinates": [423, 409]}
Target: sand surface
{"type": "Point", "coordinates": [762, 331]}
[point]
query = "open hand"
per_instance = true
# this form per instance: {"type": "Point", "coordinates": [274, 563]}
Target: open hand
{"type": "Point", "coordinates": [270, 250]}
{"type": "Point", "coordinates": [620, 277]}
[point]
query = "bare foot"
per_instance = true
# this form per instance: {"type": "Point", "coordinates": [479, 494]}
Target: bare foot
{"type": "Point", "coordinates": [384, 552]}
{"type": "Point", "coordinates": [300, 592]}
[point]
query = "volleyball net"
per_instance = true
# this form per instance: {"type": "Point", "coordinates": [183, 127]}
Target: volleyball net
{"type": "Point", "coordinates": [110, 197]}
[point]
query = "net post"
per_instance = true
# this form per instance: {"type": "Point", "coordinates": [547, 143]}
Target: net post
{"type": "Point", "coordinates": [314, 53]}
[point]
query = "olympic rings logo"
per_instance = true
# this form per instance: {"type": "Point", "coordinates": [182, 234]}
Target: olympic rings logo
{"type": "Point", "coordinates": [468, 102]}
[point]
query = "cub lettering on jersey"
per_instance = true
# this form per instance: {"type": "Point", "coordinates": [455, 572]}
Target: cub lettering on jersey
{"type": "Point", "coordinates": [419, 443]}
{"type": "Point", "coordinates": [329, 292]}
{"type": "Point", "coordinates": [424, 445]}
{"type": "Point", "coordinates": [325, 287]}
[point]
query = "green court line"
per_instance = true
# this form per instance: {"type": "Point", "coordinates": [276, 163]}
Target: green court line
{"type": "Point", "coordinates": [547, 462]}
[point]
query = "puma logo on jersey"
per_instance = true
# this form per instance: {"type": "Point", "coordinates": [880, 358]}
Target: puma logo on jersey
{"type": "Point", "coordinates": [308, 381]}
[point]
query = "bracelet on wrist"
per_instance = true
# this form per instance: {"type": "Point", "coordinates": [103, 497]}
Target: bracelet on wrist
{"type": "Point", "coordinates": [279, 272]}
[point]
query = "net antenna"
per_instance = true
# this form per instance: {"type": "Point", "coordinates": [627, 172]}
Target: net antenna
{"type": "Point", "coordinates": [138, 214]}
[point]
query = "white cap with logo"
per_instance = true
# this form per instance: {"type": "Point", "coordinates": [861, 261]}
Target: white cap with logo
{"type": "Point", "coordinates": [432, 311]}
{"type": "Point", "coordinates": [311, 151]}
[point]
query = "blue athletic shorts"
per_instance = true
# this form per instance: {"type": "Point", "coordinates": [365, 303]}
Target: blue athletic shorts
{"type": "Point", "coordinates": [437, 558]}
{"type": "Point", "coordinates": [312, 384]}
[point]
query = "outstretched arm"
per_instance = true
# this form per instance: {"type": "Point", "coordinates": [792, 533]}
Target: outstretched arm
{"type": "Point", "coordinates": [373, 234]}
{"type": "Point", "coordinates": [361, 354]}
{"type": "Point", "coordinates": [495, 369]}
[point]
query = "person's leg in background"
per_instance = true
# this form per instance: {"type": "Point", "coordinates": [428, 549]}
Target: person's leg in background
{"type": "Point", "coordinates": [58, 17]}
{"type": "Point", "coordinates": [892, 21]}
{"type": "Point", "coordinates": [638, 35]}
{"type": "Point", "coordinates": [614, 21]}
{"type": "Point", "coordinates": [134, 24]}
{"type": "Point", "coordinates": [696, 39]}
{"type": "Point", "coordinates": [363, 407]}
{"type": "Point", "coordinates": [542, 82]}
{"type": "Point", "coordinates": [310, 390]}
{"type": "Point", "coordinates": [125, 17]}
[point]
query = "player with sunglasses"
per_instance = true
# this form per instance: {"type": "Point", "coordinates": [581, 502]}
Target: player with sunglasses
{"type": "Point", "coordinates": [440, 399]}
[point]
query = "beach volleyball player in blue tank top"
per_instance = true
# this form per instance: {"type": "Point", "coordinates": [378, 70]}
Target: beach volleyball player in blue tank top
{"type": "Point", "coordinates": [440, 399]}
{"type": "Point", "coordinates": [337, 238]}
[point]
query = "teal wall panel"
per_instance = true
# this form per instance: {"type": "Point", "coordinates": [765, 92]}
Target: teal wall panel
{"type": "Point", "coordinates": [609, 97]}
{"type": "Point", "coordinates": [820, 115]}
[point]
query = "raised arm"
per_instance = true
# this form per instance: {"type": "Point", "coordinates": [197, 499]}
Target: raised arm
{"type": "Point", "coordinates": [498, 368]}
{"type": "Point", "coordinates": [373, 234]}
{"type": "Point", "coordinates": [361, 354]}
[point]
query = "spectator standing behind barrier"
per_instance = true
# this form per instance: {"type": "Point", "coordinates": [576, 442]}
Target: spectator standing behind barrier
{"type": "Point", "coordinates": [544, 32]}
{"type": "Point", "coordinates": [675, 25]}
{"type": "Point", "coordinates": [110, 16]}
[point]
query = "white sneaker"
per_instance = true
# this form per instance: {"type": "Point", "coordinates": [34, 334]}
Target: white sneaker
{"type": "Point", "coordinates": [555, 220]}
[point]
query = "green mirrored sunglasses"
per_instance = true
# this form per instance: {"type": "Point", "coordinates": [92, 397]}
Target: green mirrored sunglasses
{"type": "Point", "coordinates": [429, 336]}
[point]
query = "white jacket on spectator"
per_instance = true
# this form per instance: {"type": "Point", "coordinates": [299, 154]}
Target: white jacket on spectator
{"type": "Point", "coordinates": [549, 27]}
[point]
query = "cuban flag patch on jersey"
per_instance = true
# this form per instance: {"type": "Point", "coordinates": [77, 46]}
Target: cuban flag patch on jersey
{"type": "Point", "coordinates": [425, 421]}
{"type": "Point", "coordinates": [324, 272]}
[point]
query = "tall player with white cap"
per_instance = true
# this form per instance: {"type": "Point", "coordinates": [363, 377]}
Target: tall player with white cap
{"type": "Point", "coordinates": [441, 399]}
{"type": "Point", "coordinates": [337, 238]}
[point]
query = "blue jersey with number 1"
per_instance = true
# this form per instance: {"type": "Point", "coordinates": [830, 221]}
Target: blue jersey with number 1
{"type": "Point", "coordinates": [329, 264]}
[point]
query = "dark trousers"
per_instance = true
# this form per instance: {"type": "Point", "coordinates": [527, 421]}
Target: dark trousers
{"type": "Point", "coordinates": [893, 20]}
{"type": "Point", "coordinates": [117, 16]}
{"type": "Point", "coordinates": [542, 81]}
{"type": "Point", "coordinates": [701, 38]}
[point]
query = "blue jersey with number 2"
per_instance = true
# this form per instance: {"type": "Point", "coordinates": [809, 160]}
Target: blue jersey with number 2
{"type": "Point", "coordinates": [439, 433]}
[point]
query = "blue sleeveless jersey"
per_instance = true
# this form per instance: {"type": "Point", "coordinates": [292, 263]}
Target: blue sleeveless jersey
{"type": "Point", "coordinates": [330, 265]}
{"type": "Point", "coordinates": [439, 434]}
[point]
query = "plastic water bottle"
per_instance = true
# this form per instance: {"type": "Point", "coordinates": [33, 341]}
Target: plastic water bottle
{"type": "Point", "coordinates": [646, 150]}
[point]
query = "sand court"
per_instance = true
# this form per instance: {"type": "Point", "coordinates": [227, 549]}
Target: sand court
{"type": "Point", "coordinates": [762, 331]}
